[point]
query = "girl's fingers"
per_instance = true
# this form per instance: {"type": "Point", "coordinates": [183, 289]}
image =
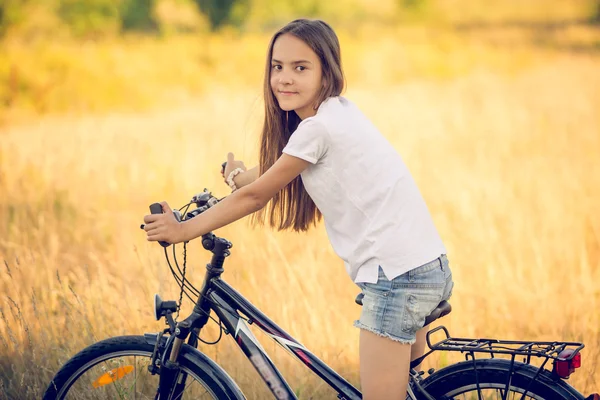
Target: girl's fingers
{"type": "Point", "coordinates": [152, 227]}
{"type": "Point", "coordinates": [154, 220]}
{"type": "Point", "coordinates": [153, 231]}
{"type": "Point", "coordinates": [151, 218]}
{"type": "Point", "coordinates": [156, 233]}
{"type": "Point", "coordinates": [166, 208]}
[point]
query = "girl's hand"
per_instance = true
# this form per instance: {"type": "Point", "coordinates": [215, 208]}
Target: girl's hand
{"type": "Point", "coordinates": [164, 226]}
{"type": "Point", "coordinates": [232, 164]}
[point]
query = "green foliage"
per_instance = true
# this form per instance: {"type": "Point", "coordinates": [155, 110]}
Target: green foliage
{"type": "Point", "coordinates": [90, 17]}
{"type": "Point", "coordinates": [138, 15]}
{"type": "Point", "coordinates": [99, 17]}
{"type": "Point", "coordinates": [415, 9]}
{"type": "Point", "coordinates": [596, 16]}
{"type": "Point", "coordinates": [108, 17]}
{"type": "Point", "coordinates": [413, 4]}
{"type": "Point", "coordinates": [238, 13]}
{"type": "Point", "coordinates": [219, 12]}
{"type": "Point", "coordinates": [270, 15]}
{"type": "Point", "coordinates": [308, 8]}
{"type": "Point", "coordinates": [11, 13]}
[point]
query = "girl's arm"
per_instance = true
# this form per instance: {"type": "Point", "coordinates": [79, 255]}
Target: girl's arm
{"type": "Point", "coordinates": [239, 204]}
{"type": "Point", "coordinates": [247, 177]}
{"type": "Point", "coordinates": [242, 179]}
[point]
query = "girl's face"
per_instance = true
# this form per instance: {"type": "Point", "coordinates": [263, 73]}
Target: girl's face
{"type": "Point", "coordinates": [296, 75]}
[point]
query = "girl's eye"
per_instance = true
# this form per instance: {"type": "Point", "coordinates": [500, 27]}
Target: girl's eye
{"type": "Point", "coordinates": [276, 67]}
{"type": "Point", "coordinates": [300, 68]}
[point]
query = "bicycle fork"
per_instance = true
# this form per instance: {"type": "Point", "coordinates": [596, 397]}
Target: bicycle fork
{"type": "Point", "coordinates": [171, 379]}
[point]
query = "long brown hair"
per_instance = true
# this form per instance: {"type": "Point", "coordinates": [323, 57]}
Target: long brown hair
{"type": "Point", "coordinates": [292, 207]}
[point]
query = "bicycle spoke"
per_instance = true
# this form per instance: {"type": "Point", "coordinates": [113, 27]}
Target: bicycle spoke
{"type": "Point", "coordinates": [114, 384]}
{"type": "Point", "coordinates": [93, 375]}
{"type": "Point", "coordinates": [489, 394]}
{"type": "Point", "coordinates": [100, 381]}
{"type": "Point", "coordinates": [117, 386]}
{"type": "Point", "coordinates": [186, 388]}
{"type": "Point", "coordinates": [135, 378]}
{"type": "Point", "coordinates": [205, 393]}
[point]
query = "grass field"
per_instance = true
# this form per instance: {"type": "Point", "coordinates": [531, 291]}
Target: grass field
{"type": "Point", "coordinates": [500, 130]}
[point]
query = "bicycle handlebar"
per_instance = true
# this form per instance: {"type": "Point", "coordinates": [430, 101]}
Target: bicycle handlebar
{"type": "Point", "coordinates": [156, 208]}
{"type": "Point", "coordinates": [203, 200]}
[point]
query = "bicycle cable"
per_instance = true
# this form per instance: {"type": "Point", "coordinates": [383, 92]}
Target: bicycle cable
{"type": "Point", "coordinates": [182, 276]}
{"type": "Point", "coordinates": [189, 290]}
{"type": "Point", "coordinates": [183, 280]}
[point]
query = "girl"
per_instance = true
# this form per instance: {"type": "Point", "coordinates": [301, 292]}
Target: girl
{"type": "Point", "coordinates": [320, 156]}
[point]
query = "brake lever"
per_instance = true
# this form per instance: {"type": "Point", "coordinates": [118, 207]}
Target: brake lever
{"type": "Point", "coordinates": [156, 208]}
{"type": "Point", "coordinates": [177, 214]}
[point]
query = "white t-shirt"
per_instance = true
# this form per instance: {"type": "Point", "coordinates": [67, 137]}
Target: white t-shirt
{"type": "Point", "coordinates": [373, 211]}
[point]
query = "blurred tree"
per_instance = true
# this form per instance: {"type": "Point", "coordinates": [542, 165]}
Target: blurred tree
{"type": "Point", "coordinates": [414, 9]}
{"type": "Point", "coordinates": [596, 16]}
{"type": "Point", "coordinates": [179, 16]}
{"type": "Point", "coordinates": [99, 17]}
{"type": "Point", "coordinates": [11, 13]}
{"type": "Point", "coordinates": [138, 15]}
{"type": "Point", "coordinates": [221, 12]}
{"type": "Point", "coordinates": [90, 17]}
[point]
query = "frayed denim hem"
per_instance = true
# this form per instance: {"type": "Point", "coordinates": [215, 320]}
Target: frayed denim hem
{"type": "Point", "coordinates": [383, 334]}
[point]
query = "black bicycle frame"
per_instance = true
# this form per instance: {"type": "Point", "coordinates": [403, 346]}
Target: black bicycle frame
{"type": "Point", "coordinates": [226, 302]}
{"type": "Point", "coordinates": [219, 297]}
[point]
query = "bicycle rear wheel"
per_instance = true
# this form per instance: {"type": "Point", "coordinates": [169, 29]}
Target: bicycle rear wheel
{"type": "Point", "coordinates": [460, 381]}
{"type": "Point", "coordinates": [117, 368]}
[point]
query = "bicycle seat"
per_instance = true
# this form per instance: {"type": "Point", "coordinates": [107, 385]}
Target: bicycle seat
{"type": "Point", "coordinates": [444, 308]}
{"type": "Point", "coordinates": [359, 298]}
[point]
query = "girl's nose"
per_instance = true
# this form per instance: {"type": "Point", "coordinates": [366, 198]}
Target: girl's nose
{"type": "Point", "coordinates": [285, 79]}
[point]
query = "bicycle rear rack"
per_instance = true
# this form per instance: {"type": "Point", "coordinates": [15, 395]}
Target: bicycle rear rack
{"type": "Point", "coordinates": [529, 349]}
{"type": "Point", "coordinates": [563, 353]}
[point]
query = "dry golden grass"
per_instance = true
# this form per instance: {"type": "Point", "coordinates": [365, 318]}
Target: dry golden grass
{"type": "Point", "coordinates": [506, 157]}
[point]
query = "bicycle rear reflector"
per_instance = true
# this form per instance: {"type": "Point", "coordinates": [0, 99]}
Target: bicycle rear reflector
{"type": "Point", "coordinates": [112, 375]}
{"type": "Point", "coordinates": [564, 367]}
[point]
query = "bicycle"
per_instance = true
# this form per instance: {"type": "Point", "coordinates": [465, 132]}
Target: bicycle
{"type": "Point", "coordinates": [169, 368]}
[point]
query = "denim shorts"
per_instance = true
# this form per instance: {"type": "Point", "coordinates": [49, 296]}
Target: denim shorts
{"type": "Point", "coordinates": [397, 309]}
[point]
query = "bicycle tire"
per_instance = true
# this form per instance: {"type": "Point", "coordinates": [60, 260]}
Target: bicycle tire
{"type": "Point", "coordinates": [197, 365]}
{"type": "Point", "coordinates": [461, 378]}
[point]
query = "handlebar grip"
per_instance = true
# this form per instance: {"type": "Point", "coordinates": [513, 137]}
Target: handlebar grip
{"type": "Point", "coordinates": [156, 208]}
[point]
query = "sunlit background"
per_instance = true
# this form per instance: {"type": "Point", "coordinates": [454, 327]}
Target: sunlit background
{"type": "Point", "coordinates": [107, 106]}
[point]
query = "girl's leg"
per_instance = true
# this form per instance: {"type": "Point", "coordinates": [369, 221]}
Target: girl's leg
{"type": "Point", "coordinates": [384, 365]}
{"type": "Point", "coordinates": [418, 348]}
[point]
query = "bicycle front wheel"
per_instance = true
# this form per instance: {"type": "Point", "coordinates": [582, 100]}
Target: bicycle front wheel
{"type": "Point", "coordinates": [487, 379]}
{"type": "Point", "coordinates": [117, 368]}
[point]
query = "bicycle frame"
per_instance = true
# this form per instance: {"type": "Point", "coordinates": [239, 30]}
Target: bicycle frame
{"type": "Point", "coordinates": [226, 302]}
{"type": "Point", "coordinates": [219, 297]}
